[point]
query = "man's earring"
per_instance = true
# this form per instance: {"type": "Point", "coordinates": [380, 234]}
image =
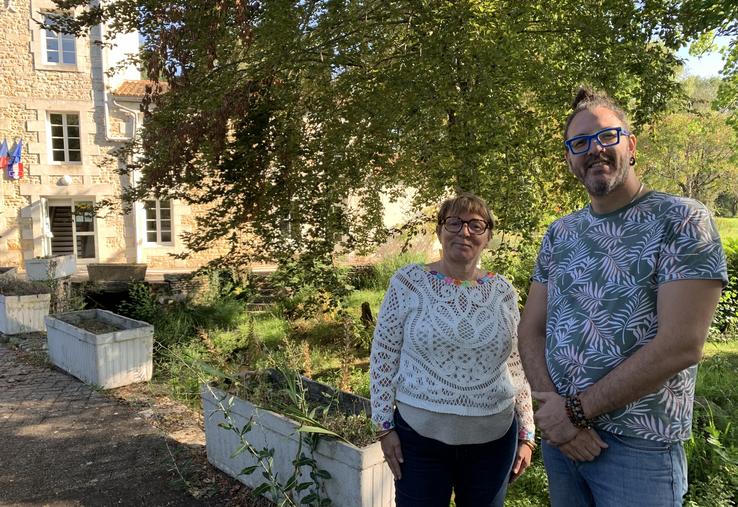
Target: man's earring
{"type": "Point", "coordinates": [632, 160]}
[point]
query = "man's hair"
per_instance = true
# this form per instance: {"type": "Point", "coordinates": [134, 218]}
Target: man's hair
{"type": "Point", "coordinates": [588, 99]}
{"type": "Point", "coordinates": [465, 202]}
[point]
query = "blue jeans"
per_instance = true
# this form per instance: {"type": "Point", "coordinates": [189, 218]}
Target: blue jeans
{"type": "Point", "coordinates": [477, 473]}
{"type": "Point", "coordinates": [630, 472]}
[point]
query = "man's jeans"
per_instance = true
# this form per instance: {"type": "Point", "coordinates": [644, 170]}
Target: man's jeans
{"type": "Point", "coordinates": [630, 472]}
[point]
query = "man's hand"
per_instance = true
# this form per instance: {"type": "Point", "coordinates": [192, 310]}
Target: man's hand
{"type": "Point", "coordinates": [392, 452]}
{"type": "Point", "coordinates": [585, 446]}
{"type": "Point", "coordinates": [552, 420]}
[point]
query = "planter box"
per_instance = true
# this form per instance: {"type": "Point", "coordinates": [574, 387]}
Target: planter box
{"type": "Point", "coordinates": [359, 476]}
{"type": "Point", "coordinates": [116, 272]}
{"type": "Point", "coordinates": [23, 314]}
{"type": "Point", "coordinates": [108, 360]}
{"type": "Point", "coordinates": [41, 269]}
{"type": "Point", "coordinates": [8, 272]}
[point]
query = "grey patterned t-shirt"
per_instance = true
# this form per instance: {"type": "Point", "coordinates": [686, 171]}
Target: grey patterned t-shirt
{"type": "Point", "coordinates": [602, 273]}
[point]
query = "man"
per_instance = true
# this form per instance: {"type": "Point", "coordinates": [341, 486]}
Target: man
{"type": "Point", "coordinates": [621, 299]}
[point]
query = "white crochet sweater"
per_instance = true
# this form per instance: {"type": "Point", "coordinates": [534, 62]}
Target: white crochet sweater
{"type": "Point", "coordinates": [448, 349]}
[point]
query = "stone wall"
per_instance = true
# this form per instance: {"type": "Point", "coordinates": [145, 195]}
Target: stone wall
{"type": "Point", "coordinates": [30, 89]}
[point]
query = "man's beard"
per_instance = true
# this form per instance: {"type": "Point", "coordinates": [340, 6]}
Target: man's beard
{"type": "Point", "coordinates": [600, 187]}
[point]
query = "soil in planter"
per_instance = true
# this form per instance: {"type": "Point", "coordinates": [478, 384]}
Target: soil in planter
{"type": "Point", "coordinates": [93, 326]}
{"type": "Point", "coordinates": [261, 390]}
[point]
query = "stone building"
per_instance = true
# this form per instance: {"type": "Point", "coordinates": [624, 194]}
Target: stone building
{"type": "Point", "coordinates": [56, 96]}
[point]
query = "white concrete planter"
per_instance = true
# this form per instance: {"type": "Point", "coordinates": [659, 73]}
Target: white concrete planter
{"type": "Point", "coordinates": [359, 476]}
{"type": "Point", "coordinates": [23, 314]}
{"type": "Point", "coordinates": [106, 360]}
{"type": "Point", "coordinates": [45, 268]}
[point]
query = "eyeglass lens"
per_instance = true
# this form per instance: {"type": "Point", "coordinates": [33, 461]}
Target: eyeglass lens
{"type": "Point", "coordinates": [605, 138]}
{"type": "Point", "coordinates": [454, 225]}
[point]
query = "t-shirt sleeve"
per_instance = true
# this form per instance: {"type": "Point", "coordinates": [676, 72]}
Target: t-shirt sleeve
{"type": "Point", "coordinates": [691, 249]}
{"type": "Point", "coordinates": [543, 263]}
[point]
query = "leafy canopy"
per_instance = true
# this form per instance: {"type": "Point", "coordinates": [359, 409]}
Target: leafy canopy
{"type": "Point", "coordinates": [287, 120]}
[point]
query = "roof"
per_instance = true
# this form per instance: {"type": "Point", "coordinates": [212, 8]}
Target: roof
{"type": "Point", "coordinates": [137, 88]}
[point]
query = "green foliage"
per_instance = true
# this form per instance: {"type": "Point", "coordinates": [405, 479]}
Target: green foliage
{"type": "Point", "coordinates": [516, 262]}
{"type": "Point", "coordinates": [707, 19]}
{"type": "Point", "coordinates": [140, 303]}
{"type": "Point", "coordinates": [712, 462]}
{"type": "Point", "coordinates": [530, 489]}
{"type": "Point", "coordinates": [712, 451]}
{"type": "Point", "coordinates": [726, 314]}
{"type": "Point", "coordinates": [288, 121]}
{"type": "Point", "coordinates": [310, 287]}
{"type": "Point", "coordinates": [386, 267]}
{"type": "Point", "coordinates": [690, 154]}
{"type": "Point", "coordinates": [727, 227]}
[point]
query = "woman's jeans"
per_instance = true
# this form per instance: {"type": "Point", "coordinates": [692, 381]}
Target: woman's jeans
{"type": "Point", "coordinates": [477, 473]}
{"type": "Point", "coordinates": [631, 471]}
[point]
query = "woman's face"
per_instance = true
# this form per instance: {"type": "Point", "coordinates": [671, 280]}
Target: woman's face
{"type": "Point", "coordinates": [462, 247]}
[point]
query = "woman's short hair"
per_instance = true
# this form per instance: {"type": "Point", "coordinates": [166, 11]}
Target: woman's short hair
{"type": "Point", "coordinates": [464, 203]}
{"type": "Point", "coordinates": [588, 99]}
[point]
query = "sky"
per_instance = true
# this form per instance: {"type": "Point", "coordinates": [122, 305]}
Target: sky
{"type": "Point", "coordinates": [707, 65]}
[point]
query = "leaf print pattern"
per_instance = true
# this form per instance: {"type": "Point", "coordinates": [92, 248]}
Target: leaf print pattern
{"type": "Point", "coordinates": [602, 274]}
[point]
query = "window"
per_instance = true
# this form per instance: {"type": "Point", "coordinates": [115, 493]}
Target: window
{"type": "Point", "coordinates": [60, 47]}
{"type": "Point", "coordinates": [158, 221]}
{"type": "Point", "coordinates": [65, 138]}
{"type": "Point", "coordinates": [84, 229]}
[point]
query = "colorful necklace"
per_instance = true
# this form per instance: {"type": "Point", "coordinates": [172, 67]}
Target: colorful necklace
{"type": "Point", "coordinates": [448, 280]}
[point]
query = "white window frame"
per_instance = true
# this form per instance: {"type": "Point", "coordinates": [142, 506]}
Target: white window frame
{"type": "Point", "coordinates": [76, 233]}
{"type": "Point", "coordinates": [65, 136]}
{"type": "Point", "coordinates": [157, 221]}
{"type": "Point", "coordinates": [60, 39]}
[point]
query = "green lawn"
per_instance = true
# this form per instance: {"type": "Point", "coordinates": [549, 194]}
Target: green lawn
{"type": "Point", "coordinates": [728, 227]}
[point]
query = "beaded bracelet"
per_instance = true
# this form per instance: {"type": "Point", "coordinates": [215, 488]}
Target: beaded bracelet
{"type": "Point", "coordinates": [524, 434]}
{"type": "Point", "coordinates": [575, 412]}
{"type": "Point", "coordinates": [384, 427]}
{"type": "Point", "coordinates": [530, 444]}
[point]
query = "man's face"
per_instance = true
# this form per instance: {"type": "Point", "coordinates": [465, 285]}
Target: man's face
{"type": "Point", "coordinates": [601, 170]}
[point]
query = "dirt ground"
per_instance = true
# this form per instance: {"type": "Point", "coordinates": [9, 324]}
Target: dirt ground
{"type": "Point", "coordinates": [64, 443]}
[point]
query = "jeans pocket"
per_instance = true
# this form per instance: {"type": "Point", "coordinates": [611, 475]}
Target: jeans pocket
{"type": "Point", "coordinates": [641, 444]}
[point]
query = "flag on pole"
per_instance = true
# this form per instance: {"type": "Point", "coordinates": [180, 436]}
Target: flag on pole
{"type": "Point", "coordinates": [4, 154]}
{"type": "Point", "coordinates": [14, 160]}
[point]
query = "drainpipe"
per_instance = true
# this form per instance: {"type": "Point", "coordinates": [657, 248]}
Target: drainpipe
{"type": "Point", "coordinates": [108, 137]}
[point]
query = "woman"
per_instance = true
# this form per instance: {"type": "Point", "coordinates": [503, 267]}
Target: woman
{"type": "Point", "coordinates": [448, 391]}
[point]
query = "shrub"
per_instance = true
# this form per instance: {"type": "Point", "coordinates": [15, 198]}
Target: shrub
{"type": "Point", "coordinates": [515, 262]}
{"type": "Point", "coordinates": [140, 303]}
{"type": "Point", "coordinates": [726, 315]}
{"type": "Point", "coordinates": [712, 462]}
{"type": "Point", "coordinates": [385, 268]}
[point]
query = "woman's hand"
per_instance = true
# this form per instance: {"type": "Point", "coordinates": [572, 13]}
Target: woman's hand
{"type": "Point", "coordinates": [392, 452]}
{"type": "Point", "coordinates": [522, 461]}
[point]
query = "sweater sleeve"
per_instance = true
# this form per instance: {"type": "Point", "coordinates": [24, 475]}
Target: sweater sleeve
{"type": "Point", "coordinates": [384, 361]}
{"type": "Point", "coordinates": [523, 400]}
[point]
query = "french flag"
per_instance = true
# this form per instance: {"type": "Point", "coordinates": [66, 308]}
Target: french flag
{"type": "Point", "coordinates": [4, 154]}
{"type": "Point", "coordinates": [15, 173]}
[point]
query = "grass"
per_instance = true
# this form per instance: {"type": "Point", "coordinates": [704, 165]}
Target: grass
{"type": "Point", "coordinates": [233, 340]}
{"type": "Point", "coordinates": [727, 226]}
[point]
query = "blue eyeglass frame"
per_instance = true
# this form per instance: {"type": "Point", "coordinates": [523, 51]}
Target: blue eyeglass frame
{"type": "Point", "coordinates": [595, 136]}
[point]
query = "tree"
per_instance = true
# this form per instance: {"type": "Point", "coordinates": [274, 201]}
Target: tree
{"type": "Point", "coordinates": [706, 19]}
{"type": "Point", "coordinates": [691, 154]}
{"type": "Point", "coordinates": [280, 111]}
